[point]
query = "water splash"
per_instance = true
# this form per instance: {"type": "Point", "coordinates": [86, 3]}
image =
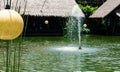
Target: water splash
{"type": "Point", "coordinates": [75, 49]}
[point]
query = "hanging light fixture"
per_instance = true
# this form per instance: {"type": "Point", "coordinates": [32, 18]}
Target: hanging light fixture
{"type": "Point", "coordinates": [11, 23]}
{"type": "Point", "coordinates": [11, 26]}
{"type": "Point", "coordinates": [8, 5]}
{"type": "Point", "coordinates": [84, 25]}
{"type": "Point", "coordinates": [46, 22]}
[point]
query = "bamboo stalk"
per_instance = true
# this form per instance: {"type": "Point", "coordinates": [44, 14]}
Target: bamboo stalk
{"type": "Point", "coordinates": [19, 52]}
{"type": "Point", "coordinates": [26, 22]}
{"type": "Point", "coordinates": [7, 56]}
{"type": "Point", "coordinates": [16, 5]}
{"type": "Point", "coordinates": [14, 59]}
{"type": "Point", "coordinates": [10, 54]}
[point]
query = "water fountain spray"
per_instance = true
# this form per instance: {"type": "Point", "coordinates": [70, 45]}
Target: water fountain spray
{"type": "Point", "coordinates": [74, 25]}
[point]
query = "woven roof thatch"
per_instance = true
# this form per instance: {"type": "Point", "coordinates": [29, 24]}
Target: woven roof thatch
{"type": "Point", "coordinates": [105, 9]}
{"type": "Point", "coordinates": [43, 7]}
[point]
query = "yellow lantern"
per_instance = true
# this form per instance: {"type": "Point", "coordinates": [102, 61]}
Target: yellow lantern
{"type": "Point", "coordinates": [84, 25]}
{"type": "Point", "coordinates": [11, 24]}
{"type": "Point", "coordinates": [46, 21]}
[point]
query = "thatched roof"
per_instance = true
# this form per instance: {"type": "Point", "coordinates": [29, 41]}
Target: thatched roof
{"type": "Point", "coordinates": [105, 9]}
{"type": "Point", "coordinates": [43, 7]}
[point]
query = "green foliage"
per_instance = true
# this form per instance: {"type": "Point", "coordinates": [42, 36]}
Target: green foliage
{"type": "Point", "coordinates": [88, 10]}
{"type": "Point", "coordinates": [105, 22]}
{"type": "Point", "coordinates": [91, 2]}
{"type": "Point", "coordinates": [85, 30]}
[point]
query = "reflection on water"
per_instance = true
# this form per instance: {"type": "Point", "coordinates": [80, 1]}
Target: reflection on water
{"type": "Point", "coordinates": [56, 54]}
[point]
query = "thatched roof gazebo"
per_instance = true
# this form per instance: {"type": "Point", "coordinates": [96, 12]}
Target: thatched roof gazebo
{"type": "Point", "coordinates": [55, 12]}
{"type": "Point", "coordinates": [62, 8]}
{"type": "Point", "coordinates": [108, 7]}
{"type": "Point", "coordinates": [107, 18]}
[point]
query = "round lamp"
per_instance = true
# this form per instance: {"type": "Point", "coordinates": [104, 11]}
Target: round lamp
{"type": "Point", "coordinates": [11, 24]}
{"type": "Point", "coordinates": [46, 21]}
{"type": "Point", "coordinates": [84, 25]}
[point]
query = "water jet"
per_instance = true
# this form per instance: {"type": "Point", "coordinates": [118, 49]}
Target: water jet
{"type": "Point", "coordinates": [74, 24]}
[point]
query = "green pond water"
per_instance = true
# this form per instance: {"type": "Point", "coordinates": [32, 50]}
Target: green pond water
{"type": "Point", "coordinates": [58, 54]}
